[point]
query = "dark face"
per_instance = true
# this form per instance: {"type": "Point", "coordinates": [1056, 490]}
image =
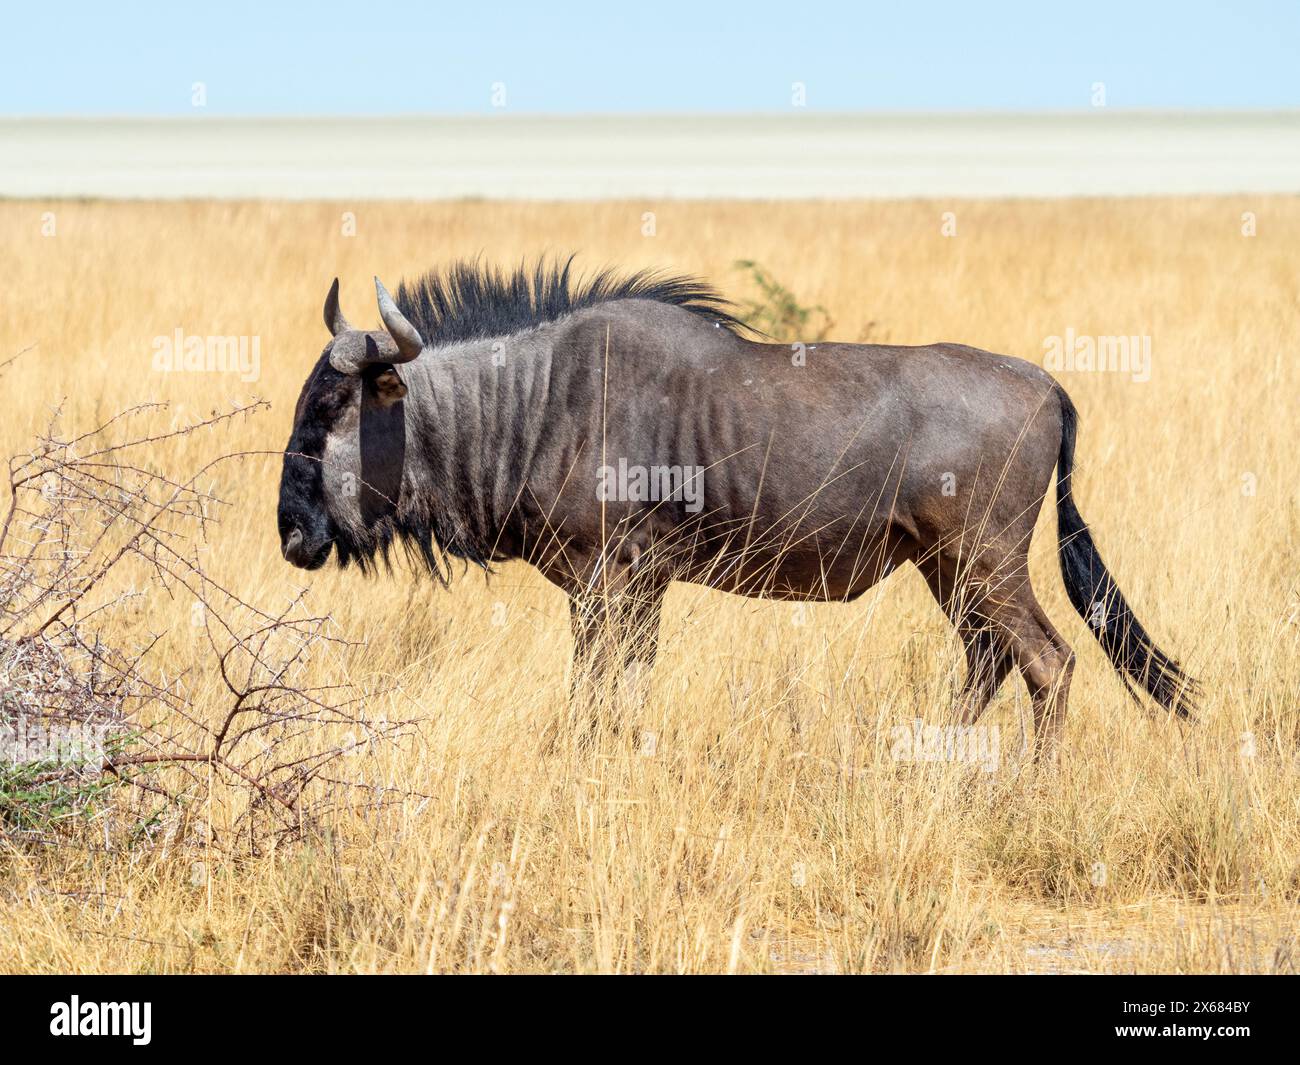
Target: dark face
{"type": "Point", "coordinates": [343, 465]}
{"type": "Point", "coordinates": [308, 531]}
{"type": "Point", "coordinates": [342, 472]}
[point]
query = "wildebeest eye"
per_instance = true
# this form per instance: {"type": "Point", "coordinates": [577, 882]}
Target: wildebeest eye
{"type": "Point", "coordinates": [334, 400]}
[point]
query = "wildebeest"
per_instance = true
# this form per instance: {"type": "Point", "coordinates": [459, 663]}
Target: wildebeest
{"type": "Point", "coordinates": [621, 433]}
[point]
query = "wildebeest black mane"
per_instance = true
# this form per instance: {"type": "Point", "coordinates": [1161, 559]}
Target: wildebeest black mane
{"type": "Point", "coordinates": [472, 300]}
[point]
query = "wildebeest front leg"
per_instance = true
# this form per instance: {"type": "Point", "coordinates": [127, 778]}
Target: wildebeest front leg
{"type": "Point", "coordinates": [615, 639]}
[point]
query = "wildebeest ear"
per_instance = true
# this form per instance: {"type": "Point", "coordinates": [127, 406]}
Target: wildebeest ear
{"type": "Point", "coordinates": [334, 320]}
{"type": "Point", "coordinates": [388, 387]}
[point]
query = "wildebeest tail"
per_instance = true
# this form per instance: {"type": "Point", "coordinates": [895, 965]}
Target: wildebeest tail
{"type": "Point", "coordinates": [1097, 598]}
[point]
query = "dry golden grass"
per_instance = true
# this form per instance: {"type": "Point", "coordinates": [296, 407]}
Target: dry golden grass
{"type": "Point", "coordinates": [770, 830]}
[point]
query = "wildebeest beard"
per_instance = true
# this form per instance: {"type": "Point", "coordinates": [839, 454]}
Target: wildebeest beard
{"type": "Point", "coordinates": [429, 533]}
{"type": "Point", "coordinates": [430, 541]}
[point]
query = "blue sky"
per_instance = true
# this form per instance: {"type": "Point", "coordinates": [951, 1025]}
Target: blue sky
{"type": "Point", "coordinates": [660, 56]}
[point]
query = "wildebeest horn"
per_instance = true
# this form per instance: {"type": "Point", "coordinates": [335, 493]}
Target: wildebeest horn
{"type": "Point", "coordinates": [403, 332]}
{"type": "Point", "coordinates": [334, 320]}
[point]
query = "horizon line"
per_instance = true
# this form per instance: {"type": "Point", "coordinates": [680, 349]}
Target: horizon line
{"type": "Point", "coordinates": [204, 114]}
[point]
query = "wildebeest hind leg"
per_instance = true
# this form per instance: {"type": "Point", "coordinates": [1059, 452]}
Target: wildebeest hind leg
{"type": "Point", "coordinates": [988, 663]}
{"type": "Point", "coordinates": [989, 660]}
{"type": "Point", "coordinates": [1045, 661]}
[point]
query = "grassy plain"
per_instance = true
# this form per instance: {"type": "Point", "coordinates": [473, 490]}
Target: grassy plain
{"type": "Point", "coordinates": [753, 818]}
